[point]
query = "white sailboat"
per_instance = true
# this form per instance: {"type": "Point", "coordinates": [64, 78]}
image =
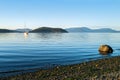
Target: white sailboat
{"type": "Point", "coordinates": [25, 32]}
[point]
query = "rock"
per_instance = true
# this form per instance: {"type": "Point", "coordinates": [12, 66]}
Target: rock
{"type": "Point", "coordinates": [105, 49]}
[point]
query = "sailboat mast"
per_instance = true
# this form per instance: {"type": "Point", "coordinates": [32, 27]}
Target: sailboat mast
{"type": "Point", "coordinates": [25, 30]}
{"type": "Point", "coordinates": [24, 27]}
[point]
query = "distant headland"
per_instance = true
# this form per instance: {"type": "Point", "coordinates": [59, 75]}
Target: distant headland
{"type": "Point", "coordinates": [6, 31]}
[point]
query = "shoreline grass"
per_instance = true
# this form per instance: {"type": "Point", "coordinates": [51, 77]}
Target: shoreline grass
{"type": "Point", "coordinates": [103, 69]}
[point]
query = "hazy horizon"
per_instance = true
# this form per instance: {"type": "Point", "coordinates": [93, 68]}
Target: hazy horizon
{"type": "Point", "coordinates": [60, 13]}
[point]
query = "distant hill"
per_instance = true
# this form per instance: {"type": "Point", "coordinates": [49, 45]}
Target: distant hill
{"type": "Point", "coordinates": [60, 30]}
{"type": "Point", "coordinates": [77, 29]}
{"type": "Point", "coordinates": [48, 30]}
{"type": "Point", "coordinates": [6, 31]}
{"type": "Point", "coordinates": [104, 30]}
{"type": "Point", "coordinates": [23, 30]}
{"type": "Point", "coordinates": [85, 29]}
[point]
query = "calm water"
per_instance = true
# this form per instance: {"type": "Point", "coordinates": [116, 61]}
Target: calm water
{"type": "Point", "coordinates": [41, 50]}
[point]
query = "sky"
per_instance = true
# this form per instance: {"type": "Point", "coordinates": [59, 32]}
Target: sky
{"type": "Point", "coordinates": [60, 13]}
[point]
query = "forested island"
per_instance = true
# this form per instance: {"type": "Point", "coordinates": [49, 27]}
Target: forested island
{"type": "Point", "coordinates": [48, 30]}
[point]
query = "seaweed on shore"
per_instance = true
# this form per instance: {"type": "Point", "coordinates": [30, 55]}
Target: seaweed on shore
{"type": "Point", "coordinates": [108, 68]}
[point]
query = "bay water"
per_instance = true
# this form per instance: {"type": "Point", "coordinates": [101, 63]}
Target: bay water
{"type": "Point", "coordinates": [41, 50]}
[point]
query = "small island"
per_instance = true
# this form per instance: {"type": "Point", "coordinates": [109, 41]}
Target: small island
{"type": "Point", "coordinates": [48, 30]}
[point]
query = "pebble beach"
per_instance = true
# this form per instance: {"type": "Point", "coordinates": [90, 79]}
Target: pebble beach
{"type": "Point", "coordinates": [103, 69]}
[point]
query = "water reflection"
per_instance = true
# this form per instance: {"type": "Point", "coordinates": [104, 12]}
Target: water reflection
{"type": "Point", "coordinates": [48, 36]}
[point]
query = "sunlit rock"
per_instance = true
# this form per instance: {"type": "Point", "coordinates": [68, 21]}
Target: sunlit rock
{"type": "Point", "coordinates": [105, 49]}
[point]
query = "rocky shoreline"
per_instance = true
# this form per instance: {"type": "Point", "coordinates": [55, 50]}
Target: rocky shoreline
{"type": "Point", "coordinates": [103, 69]}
